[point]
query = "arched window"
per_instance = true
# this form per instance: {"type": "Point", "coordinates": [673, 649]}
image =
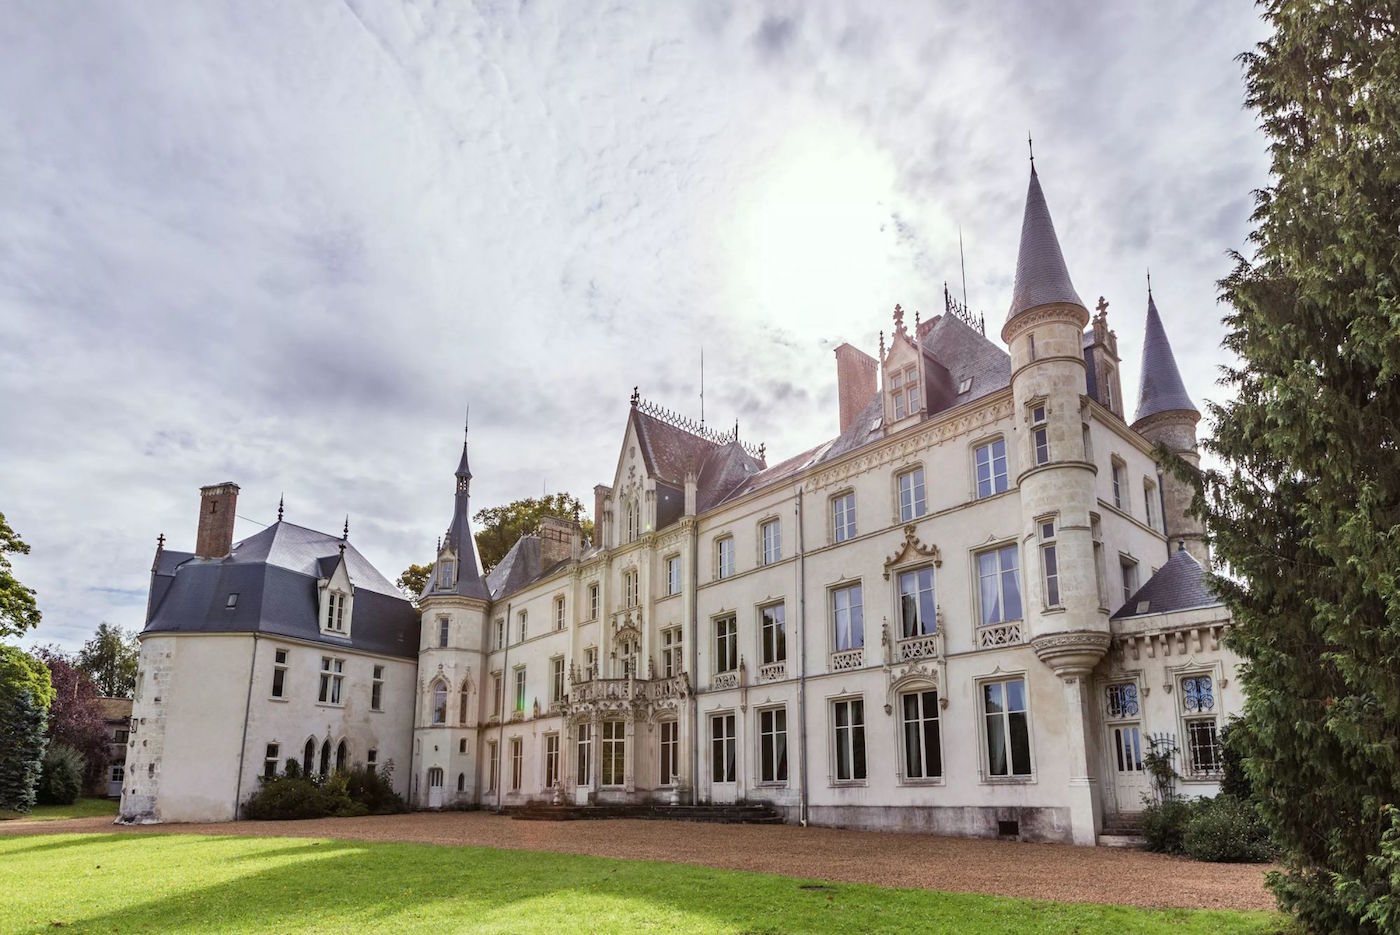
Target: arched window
{"type": "Point", "coordinates": [462, 711]}
{"type": "Point", "coordinates": [461, 782]}
{"type": "Point", "coordinates": [308, 757]}
{"type": "Point", "coordinates": [341, 755]}
{"type": "Point", "coordinates": [435, 778]}
{"type": "Point", "coordinates": [439, 702]}
{"type": "Point", "coordinates": [325, 758]}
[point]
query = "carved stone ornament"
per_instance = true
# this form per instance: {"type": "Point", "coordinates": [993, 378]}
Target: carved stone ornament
{"type": "Point", "coordinates": [1072, 653]}
{"type": "Point", "coordinates": [910, 549]}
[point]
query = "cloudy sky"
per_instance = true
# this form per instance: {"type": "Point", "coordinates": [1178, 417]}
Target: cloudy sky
{"type": "Point", "coordinates": [286, 244]}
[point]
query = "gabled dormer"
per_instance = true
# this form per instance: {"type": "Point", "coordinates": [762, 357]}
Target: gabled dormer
{"type": "Point", "coordinates": [337, 596]}
{"type": "Point", "coordinates": [901, 377]}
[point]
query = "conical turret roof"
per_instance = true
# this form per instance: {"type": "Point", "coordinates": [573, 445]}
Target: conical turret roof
{"type": "Point", "coordinates": [466, 580]}
{"type": "Point", "coordinates": [1041, 276]}
{"type": "Point", "coordinates": [1160, 388]}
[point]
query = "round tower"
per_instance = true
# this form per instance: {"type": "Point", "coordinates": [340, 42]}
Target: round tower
{"type": "Point", "coordinates": [1166, 416]}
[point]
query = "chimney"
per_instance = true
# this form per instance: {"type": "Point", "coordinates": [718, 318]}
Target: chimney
{"type": "Point", "coordinates": [601, 493]}
{"type": "Point", "coordinates": [218, 503]}
{"type": "Point", "coordinates": [556, 540]}
{"type": "Point", "coordinates": [856, 382]}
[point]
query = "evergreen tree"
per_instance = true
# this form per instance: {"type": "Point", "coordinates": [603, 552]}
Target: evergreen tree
{"type": "Point", "coordinates": [25, 696]}
{"type": "Point", "coordinates": [1305, 511]}
{"type": "Point", "coordinates": [18, 609]}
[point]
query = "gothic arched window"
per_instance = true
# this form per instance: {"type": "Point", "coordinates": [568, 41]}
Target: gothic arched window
{"type": "Point", "coordinates": [308, 757]}
{"type": "Point", "coordinates": [341, 755]}
{"type": "Point", "coordinates": [325, 758]}
{"type": "Point", "coordinates": [439, 702]}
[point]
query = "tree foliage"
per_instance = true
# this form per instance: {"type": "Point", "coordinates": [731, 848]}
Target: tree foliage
{"type": "Point", "coordinates": [1305, 511]}
{"type": "Point", "coordinates": [61, 778]}
{"type": "Point", "coordinates": [414, 579]}
{"type": "Point", "coordinates": [75, 717]}
{"type": "Point", "coordinates": [25, 696]}
{"type": "Point", "coordinates": [19, 612]}
{"type": "Point", "coordinates": [110, 659]}
{"type": "Point", "coordinates": [498, 527]}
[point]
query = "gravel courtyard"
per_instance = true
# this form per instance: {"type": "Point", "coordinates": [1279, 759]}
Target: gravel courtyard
{"type": "Point", "coordinates": [1036, 871]}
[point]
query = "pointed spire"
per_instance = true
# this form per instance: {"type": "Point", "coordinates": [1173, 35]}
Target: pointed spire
{"type": "Point", "coordinates": [345, 533]}
{"type": "Point", "coordinates": [466, 579]}
{"type": "Point", "coordinates": [464, 471]}
{"type": "Point", "coordinates": [1160, 388]}
{"type": "Point", "coordinates": [1041, 276]}
{"type": "Point", "coordinates": [281, 505]}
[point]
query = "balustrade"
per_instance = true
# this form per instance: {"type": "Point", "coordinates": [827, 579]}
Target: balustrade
{"type": "Point", "coordinates": [849, 659]}
{"type": "Point", "coordinates": [999, 634]}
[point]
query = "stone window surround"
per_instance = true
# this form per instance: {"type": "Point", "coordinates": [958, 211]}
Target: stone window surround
{"type": "Point", "coordinates": [680, 578]}
{"type": "Point", "coordinates": [847, 491]}
{"type": "Point", "coordinates": [974, 554]}
{"type": "Point", "coordinates": [545, 756]}
{"type": "Point", "coordinates": [758, 608]}
{"type": "Point", "coordinates": [914, 686]}
{"type": "Point", "coordinates": [896, 618]}
{"type": "Point", "coordinates": [1118, 479]}
{"type": "Point", "coordinates": [1219, 683]}
{"type": "Point", "coordinates": [715, 620]}
{"type": "Point", "coordinates": [709, 745]}
{"type": "Point", "coordinates": [758, 748]}
{"type": "Point", "coordinates": [716, 556]}
{"type": "Point", "coordinates": [761, 558]}
{"type": "Point", "coordinates": [1042, 544]}
{"type": "Point", "coordinates": [979, 713]}
{"type": "Point", "coordinates": [906, 468]}
{"type": "Point", "coordinates": [972, 448]}
{"type": "Point", "coordinates": [831, 589]}
{"type": "Point", "coordinates": [831, 703]}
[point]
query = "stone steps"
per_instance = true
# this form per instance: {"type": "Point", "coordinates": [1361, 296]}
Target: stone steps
{"type": "Point", "coordinates": [721, 814]}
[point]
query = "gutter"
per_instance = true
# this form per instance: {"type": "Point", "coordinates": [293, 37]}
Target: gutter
{"type": "Point", "coordinates": [802, 664]}
{"type": "Point", "coordinates": [243, 744]}
{"type": "Point", "coordinates": [695, 660]}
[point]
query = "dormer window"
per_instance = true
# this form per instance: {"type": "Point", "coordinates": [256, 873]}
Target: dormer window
{"type": "Point", "coordinates": [447, 568]}
{"type": "Point", "coordinates": [904, 388]}
{"type": "Point", "coordinates": [335, 612]}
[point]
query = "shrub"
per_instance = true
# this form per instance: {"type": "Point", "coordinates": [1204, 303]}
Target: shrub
{"type": "Point", "coordinates": [1164, 825]}
{"type": "Point", "coordinates": [343, 795]}
{"type": "Point", "coordinates": [1226, 830]}
{"type": "Point", "coordinates": [1235, 781]}
{"type": "Point", "coordinates": [374, 789]}
{"type": "Point", "coordinates": [61, 778]}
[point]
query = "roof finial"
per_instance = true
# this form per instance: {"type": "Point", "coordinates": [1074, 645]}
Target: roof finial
{"type": "Point", "coordinates": [636, 397]}
{"type": "Point", "coordinates": [467, 426]}
{"type": "Point", "coordinates": [345, 533]}
{"type": "Point", "coordinates": [281, 501]}
{"type": "Point", "coordinates": [736, 429]}
{"type": "Point", "coordinates": [439, 546]}
{"type": "Point", "coordinates": [1030, 144]}
{"type": "Point", "coordinates": [882, 346]}
{"type": "Point", "coordinates": [160, 542]}
{"type": "Point", "coordinates": [1149, 282]}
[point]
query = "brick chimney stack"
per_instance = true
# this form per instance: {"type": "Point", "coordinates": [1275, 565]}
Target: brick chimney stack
{"type": "Point", "coordinates": [857, 379]}
{"type": "Point", "coordinates": [218, 504]}
{"type": "Point", "coordinates": [556, 540]}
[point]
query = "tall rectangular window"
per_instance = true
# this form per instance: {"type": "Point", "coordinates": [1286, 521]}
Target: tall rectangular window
{"type": "Point", "coordinates": [771, 532]}
{"type": "Point", "coordinates": [999, 585]}
{"type": "Point", "coordinates": [848, 722]}
{"type": "Point", "coordinates": [520, 689]}
{"type": "Point", "coordinates": [522, 620]}
{"type": "Point", "coordinates": [1040, 434]}
{"type": "Point", "coordinates": [551, 760]}
{"type": "Point", "coordinates": [1149, 502]}
{"type": "Point", "coordinates": [446, 569]}
{"type": "Point", "coordinates": [1100, 573]}
{"type": "Point", "coordinates": [279, 673]}
{"type": "Point", "coordinates": [593, 601]}
{"type": "Point", "coordinates": [670, 752]}
{"type": "Point", "coordinates": [724, 557]}
{"type": "Point", "coordinates": [673, 574]}
{"type": "Point", "coordinates": [672, 662]}
{"type": "Point", "coordinates": [918, 615]}
{"type": "Point", "coordinates": [444, 630]}
{"type": "Point", "coordinates": [270, 758]}
{"type": "Point", "coordinates": [497, 693]}
{"type": "Point", "coordinates": [556, 680]}
{"type": "Point", "coordinates": [847, 617]}
{"type": "Point", "coordinates": [585, 755]}
{"type": "Point", "coordinates": [991, 467]}
{"type": "Point", "coordinates": [1130, 577]}
{"type": "Point", "coordinates": [1203, 751]}
{"type": "Point", "coordinates": [726, 644]}
{"type": "Point", "coordinates": [923, 754]}
{"type": "Point", "coordinates": [614, 753]}
{"type": "Point", "coordinates": [558, 613]}
{"type": "Point", "coordinates": [1008, 732]}
{"type": "Point", "coordinates": [1118, 483]}
{"type": "Point", "coordinates": [911, 495]}
{"type": "Point", "coordinates": [517, 763]}
{"type": "Point", "coordinates": [773, 631]}
{"type": "Point", "coordinates": [500, 638]}
{"type": "Point", "coordinates": [772, 745]}
{"type": "Point", "coordinates": [332, 678]}
{"type": "Point", "coordinates": [629, 587]}
{"type": "Point", "coordinates": [722, 767]}
{"type": "Point", "coordinates": [590, 663]}
{"type": "Point", "coordinates": [493, 765]}
{"type": "Point", "coordinates": [376, 690]}
{"type": "Point", "coordinates": [897, 391]}
{"type": "Point", "coordinates": [843, 516]}
{"type": "Point", "coordinates": [1050, 562]}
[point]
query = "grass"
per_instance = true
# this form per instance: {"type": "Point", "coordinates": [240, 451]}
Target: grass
{"type": "Point", "coordinates": [83, 808]}
{"type": "Point", "coordinates": [126, 882]}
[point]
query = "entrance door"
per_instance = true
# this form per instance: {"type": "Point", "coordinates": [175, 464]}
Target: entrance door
{"type": "Point", "coordinates": [435, 787]}
{"type": "Point", "coordinates": [1125, 745]}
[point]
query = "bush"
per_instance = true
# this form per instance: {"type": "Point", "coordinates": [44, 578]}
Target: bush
{"type": "Point", "coordinates": [1235, 781]}
{"type": "Point", "coordinates": [342, 795]}
{"type": "Point", "coordinates": [374, 789]}
{"type": "Point", "coordinates": [1227, 830]}
{"type": "Point", "coordinates": [61, 777]}
{"type": "Point", "coordinates": [1164, 825]}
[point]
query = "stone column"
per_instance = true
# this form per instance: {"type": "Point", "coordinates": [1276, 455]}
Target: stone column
{"type": "Point", "coordinates": [629, 753]}
{"type": "Point", "coordinates": [1073, 656]}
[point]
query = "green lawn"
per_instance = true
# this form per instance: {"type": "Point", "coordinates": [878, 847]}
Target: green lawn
{"type": "Point", "coordinates": [83, 808]}
{"type": "Point", "coordinates": [138, 882]}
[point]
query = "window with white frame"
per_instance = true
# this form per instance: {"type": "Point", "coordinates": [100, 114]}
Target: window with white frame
{"type": "Point", "coordinates": [632, 513]}
{"type": "Point", "coordinates": [517, 763]}
{"type": "Point", "coordinates": [593, 601]}
{"type": "Point", "coordinates": [371, 759]}
{"type": "Point", "coordinates": [991, 467]}
{"type": "Point", "coordinates": [335, 612]}
{"type": "Point", "coordinates": [519, 689]}
{"type": "Point", "coordinates": [848, 729]}
{"type": "Point", "coordinates": [672, 661]}
{"type": "Point", "coordinates": [444, 631]}
{"type": "Point", "coordinates": [630, 588]}
{"type": "Point", "coordinates": [590, 663]}
{"type": "Point", "coordinates": [522, 620]}
{"type": "Point", "coordinates": [551, 760]}
{"type": "Point", "coordinates": [1049, 562]}
{"type": "Point", "coordinates": [722, 765]}
{"type": "Point", "coordinates": [726, 644]}
{"type": "Point", "coordinates": [847, 617]}
{"type": "Point", "coordinates": [584, 748]}
{"type": "Point", "coordinates": [1149, 502]}
{"type": "Point", "coordinates": [771, 535]}
{"type": "Point", "coordinates": [1204, 755]}
{"type": "Point", "coordinates": [493, 765]}
{"type": "Point", "coordinates": [1119, 484]}
{"type": "Point", "coordinates": [1100, 572]}
{"type": "Point", "coordinates": [1129, 569]}
{"type": "Point", "coordinates": [923, 751]}
{"type": "Point", "coordinates": [500, 639]}
{"type": "Point", "coordinates": [673, 574]}
{"type": "Point", "coordinates": [376, 690]}
{"type": "Point", "coordinates": [904, 392]}
{"type": "Point", "coordinates": [498, 699]}
{"type": "Point", "coordinates": [1040, 434]}
{"type": "Point", "coordinates": [724, 557]}
{"type": "Point", "coordinates": [279, 673]}
{"type": "Point", "coordinates": [439, 702]}
{"type": "Point", "coordinates": [918, 615]}
{"type": "Point", "coordinates": [911, 494]}
{"type": "Point", "coordinates": [270, 762]}
{"type": "Point", "coordinates": [772, 745]}
{"type": "Point", "coordinates": [1008, 728]}
{"type": "Point", "coordinates": [447, 568]}
{"type": "Point", "coordinates": [556, 679]}
{"type": "Point", "coordinates": [559, 620]}
{"type": "Point", "coordinates": [773, 632]}
{"type": "Point", "coordinates": [999, 584]}
{"type": "Point", "coordinates": [670, 752]}
{"type": "Point", "coordinates": [614, 753]}
{"type": "Point", "coordinates": [843, 516]}
{"type": "Point", "coordinates": [332, 678]}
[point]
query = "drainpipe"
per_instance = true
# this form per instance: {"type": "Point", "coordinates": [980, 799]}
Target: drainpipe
{"type": "Point", "coordinates": [694, 661]}
{"type": "Point", "coordinates": [501, 727]}
{"type": "Point", "coordinates": [802, 664]}
{"type": "Point", "coordinates": [243, 744]}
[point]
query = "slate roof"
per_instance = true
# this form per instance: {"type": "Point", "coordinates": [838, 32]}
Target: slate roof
{"type": "Point", "coordinates": [1160, 388]}
{"type": "Point", "coordinates": [1178, 585]}
{"type": "Point", "coordinates": [1041, 275]}
{"type": "Point", "coordinates": [669, 451]}
{"type": "Point", "coordinates": [275, 574]}
{"type": "Point", "coordinates": [467, 581]}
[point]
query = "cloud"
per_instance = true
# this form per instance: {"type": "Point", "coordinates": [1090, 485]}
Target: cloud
{"type": "Point", "coordinates": [286, 244]}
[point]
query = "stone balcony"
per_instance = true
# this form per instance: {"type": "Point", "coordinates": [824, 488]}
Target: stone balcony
{"type": "Point", "coordinates": [773, 671]}
{"type": "Point", "coordinates": [1010, 633]}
